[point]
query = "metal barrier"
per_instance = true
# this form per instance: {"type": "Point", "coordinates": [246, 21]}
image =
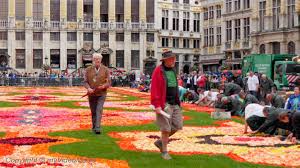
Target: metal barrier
{"type": "Point", "coordinates": [40, 81]}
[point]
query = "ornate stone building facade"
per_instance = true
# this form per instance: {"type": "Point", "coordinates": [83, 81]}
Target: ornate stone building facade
{"type": "Point", "coordinates": [64, 33]}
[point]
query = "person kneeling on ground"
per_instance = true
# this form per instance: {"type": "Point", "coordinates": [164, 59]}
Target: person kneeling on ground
{"type": "Point", "coordinates": [275, 100]}
{"type": "Point", "coordinates": [292, 118]}
{"type": "Point", "coordinates": [254, 116]}
{"type": "Point", "coordinates": [234, 105]}
{"type": "Point", "coordinates": [230, 89]}
{"type": "Point", "coordinates": [248, 98]}
{"type": "Point", "coordinates": [191, 96]}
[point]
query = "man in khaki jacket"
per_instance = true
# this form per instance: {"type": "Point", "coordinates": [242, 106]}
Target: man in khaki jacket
{"type": "Point", "coordinates": [96, 81]}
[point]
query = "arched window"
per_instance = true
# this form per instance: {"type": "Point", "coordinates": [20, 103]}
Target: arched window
{"type": "Point", "coordinates": [291, 47]}
{"type": "Point", "coordinates": [262, 49]}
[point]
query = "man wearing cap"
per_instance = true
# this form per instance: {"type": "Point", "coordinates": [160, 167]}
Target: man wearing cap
{"type": "Point", "coordinates": [165, 96]}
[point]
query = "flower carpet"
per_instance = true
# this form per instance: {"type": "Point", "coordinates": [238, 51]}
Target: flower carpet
{"type": "Point", "coordinates": [50, 127]}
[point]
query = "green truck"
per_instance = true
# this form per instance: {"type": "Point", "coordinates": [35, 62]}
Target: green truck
{"type": "Point", "coordinates": [279, 67]}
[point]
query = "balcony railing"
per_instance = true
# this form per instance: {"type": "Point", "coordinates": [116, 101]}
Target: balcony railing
{"type": "Point", "coordinates": [103, 25]}
{"type": "Point", "coordinates": [55, 24]}
{"type": "Point", "coordinates": [119, 25]}
{"type": "Point", "coordinates": [135, 25]}
{"type": "Point", "coordinates": [88, 25]}
{"type": "Point", "coordinates": [150, 26]}
{"type": "Point", "coordinates": [38, 24]}
{"type": "Point", "coordinates": [3, 23]}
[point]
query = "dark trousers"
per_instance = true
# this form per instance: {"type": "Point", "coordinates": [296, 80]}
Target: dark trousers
{"type": "Point", "coordinates": [96, 106]}
{"type": "Point", "coordinates": [254, 122]}
{"type": "Point", "coordinates": [296, 124]}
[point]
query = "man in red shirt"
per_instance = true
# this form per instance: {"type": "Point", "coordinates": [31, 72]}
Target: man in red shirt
{"type": "Point", "coordinates": [165, 96]}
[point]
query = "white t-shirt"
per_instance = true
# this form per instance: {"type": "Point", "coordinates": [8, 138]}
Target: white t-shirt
{"type": "Point", "coordinates": [252, 83]}
{"type": "Point", "coordinates": [254, 109]}
{"type": "Point", "coordinates": [212, 96]}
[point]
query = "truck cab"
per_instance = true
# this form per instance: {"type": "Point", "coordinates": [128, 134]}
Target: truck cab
{"type": "Point", "coordinates": [285, 74]}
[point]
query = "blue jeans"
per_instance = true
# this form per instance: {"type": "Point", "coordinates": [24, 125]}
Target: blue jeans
{"type": "Point", "coordinates": [96, 106]}
{"type": "Point", "coordinates": [254, 93]}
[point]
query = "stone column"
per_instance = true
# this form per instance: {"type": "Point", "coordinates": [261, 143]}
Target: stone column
{"type": "Point", "coordinates": [63, 13]}
{"type": "Point", "coordinates": [63, 50]}
{"type": "Point", "coordinates": [112, 11]}
{"type": "Point", "coordinates": [269, 48]}
{"type": "Point", "coordinates": [11, 13]}
{"type": "Point", "coordinates": [112, 45]}
{"type": "Point", "coordinates": [46, 47]}
{"type": "Point", "coordinates": [268, 18]}
{"type": "Point", "coordinates": [143, 9]}
{"type": "Point", "coordinates": [79, 46]}
{"type": "Point", "coordinates": [28, 50]}
{"type": "Point", "coordinates": [46, 12]}
{"type": "Point", "coordinates": [127, 50]}
{"type": "Point", "coordinates": [96, 16]}
{"type": "Point", "coordinates": [11, 48]}
{"type": "Point", "coordinates": [143, 49]}
{"type": "Point", "coordinates": [283, 19]}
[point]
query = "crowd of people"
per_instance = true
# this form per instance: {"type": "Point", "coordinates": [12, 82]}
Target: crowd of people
{"type": "Point", "coordinates": [254, 98]}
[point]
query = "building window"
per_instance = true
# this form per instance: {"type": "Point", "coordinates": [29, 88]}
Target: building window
{"type": "Point", "coordinates": [237, 29]}
{"type": "Point", "coordinates": [71, 59]}
{"type": "Point", "coordinates": [120, 37]}
{"type": "Point", "coordinates": [3, 35]}
{"type": "Point", "coordinates": [20, 35]}
{"type": "Point", "coordinates": [72, 10]}
{"type": "Point", "coordinates": [119, 10]}
{"type": "Point", "coordinates": [72, 36]}
{"type": "Point", "coordinates": [135, 37]}
{"type": "Point", "coordinates": [20, 58]}
{"type": "Point", "coordinates": [291, 48]}
{"type": "Point", "coordinates": [186, 1]}
{"type": "Point", "coordinates": [120, 58]}
{"type": "Point", "coordinates": [219, 11]}
{"type": "Point", "coordinates": [246, 4]}
{"type": "Point", "coordinates": [228, 6]}
{"type": "Point", "coordinates": [211, 37]}
{"type": "Point", "coordinates": [237, 5]}
{"type": "Point", "coordinates": [186, 21]}
{"type": "Point", "coordinates": [228, 30]}
{"type": "Point", "coordinates": [175, 42]}
{"type": "Point", "coordinates": [104, 10]}
{"type": "Point", "coordinates": [37, 58]}
{"type": "Point", "coordinates": [219, 36]}
{"type": "Point", "coordinates": [55, 10]}
{"type": "Point", "coordinates": [262, 14]}
{"type": "Point", "coordinates": [176, 20]}
{"type": "Point", "coordinates": [276, 47]}
{"type": "Point", "coordinates": [291, 13]}
{"type": "Point", "coordinates": [88, 10]}
{"type": "Point", "coordinates": [150, 37]}
{"type": "Point", "coordinates": [37, 36]}
{"type": "Point", "coordinates": [20, 9]}
{"type": "Point", "coordinates": [196, 22]}
{"type": "Point", "coordinates": [246, 28]}
{"type": "Point", "coordinates": [165, 20]}
{"type": "Point", "coordinates": [186, 43]}
{"type": "Point", "coordinates": [135, 59]}
{"type": "Point", "coordinates": [150, 11]}
{"type": "Point", "coordinates": [205, 15]}
{"type": "Point", "coordinates": [211, 12]}
{"type": "Point", "coordinates": [276, 13]}
{"type": "Point", "coordinates": [37, 8]}
{"type": "Point", "coordinates": [87, 36]}
{"type": "Point", "coordinates": [196, 43]}
{"type": "Point", "coordinates": [175, 1]}
{"type": "Point", "coordinates": [55, 58]}
{"type": "Point", "coordinates": [54, 36]}
{"type": "Point", "coordinates": [104, 36]}
{"type": "Point", "coordinates": [205, 37]}
{"type": "Point", "coordinates": [262, 49]}
{"type": "Point", "coordinates": [135, 11]}
{"type": "Point", "coordinates": [150, 53]}
{"type": "Point", "coordinates": [165, 42]}
{"type": "Point", "coordinates": [3, 9]}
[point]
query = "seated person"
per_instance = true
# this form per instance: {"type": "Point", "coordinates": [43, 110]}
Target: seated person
{"type": "Point", "coordinates": [293, 102]}
{"type": "Point", "coordinates": [275, 100]}
{"type": "Point", "coordinates": [292, 118]}
{"type": "Point", "coordinates": [254, 116]}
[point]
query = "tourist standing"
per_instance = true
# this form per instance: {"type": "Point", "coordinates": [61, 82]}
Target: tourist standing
{"type": "Point", "coordinates": [253, 84]}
